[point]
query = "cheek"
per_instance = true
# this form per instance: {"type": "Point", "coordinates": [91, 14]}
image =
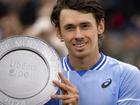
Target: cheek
{"type": "Point", "coordinates": [94, 39]}
{"type": "Point", "coordinates": [67, 37]}
{"type": "Point", "coordinates": [67, 41]}
{"type": "Point", "coordinates": [93, 35]}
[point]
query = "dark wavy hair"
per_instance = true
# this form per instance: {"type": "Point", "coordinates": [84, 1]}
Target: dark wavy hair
{"type": "Point", "coordinates": [85, 6]}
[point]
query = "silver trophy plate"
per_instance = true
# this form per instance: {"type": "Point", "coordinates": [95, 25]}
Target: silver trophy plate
{"type": "Point", "coordinates": [27, 67]}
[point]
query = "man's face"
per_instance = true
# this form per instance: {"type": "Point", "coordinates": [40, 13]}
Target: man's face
{"type": "Point", "coordinates": [80, 32]}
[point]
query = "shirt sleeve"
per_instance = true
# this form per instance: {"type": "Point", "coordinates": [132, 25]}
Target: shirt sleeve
{"type": "Point", "coordinates": [129, 91]}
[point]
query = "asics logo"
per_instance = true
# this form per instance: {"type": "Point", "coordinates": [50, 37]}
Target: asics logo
{"type": "Point", "coordinates": [106, 83]}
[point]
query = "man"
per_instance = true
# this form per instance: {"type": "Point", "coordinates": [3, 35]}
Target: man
{"type": "Point", "coordinates": [92, 77]}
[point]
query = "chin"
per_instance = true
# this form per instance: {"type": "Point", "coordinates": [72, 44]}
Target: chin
{"type": "Point", "coordinates": [81, 54]}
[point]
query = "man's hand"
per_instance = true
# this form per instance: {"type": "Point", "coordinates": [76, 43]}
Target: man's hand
{"type": "Point", "coordinates": [70, 94]}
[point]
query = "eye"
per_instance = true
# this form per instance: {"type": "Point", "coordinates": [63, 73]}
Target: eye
{"type": "Point", "coordinates": [85, 26]}
{"type": "Point", "coordinates": [69, 28]}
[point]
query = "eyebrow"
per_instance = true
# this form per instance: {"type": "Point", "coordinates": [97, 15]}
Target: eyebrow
{"type": "Point", "coordinates": [82, 23]}
{"type": "Point", "coordinates": [68, 25]}
{"type": "Point", "coordinates": [85, 23]}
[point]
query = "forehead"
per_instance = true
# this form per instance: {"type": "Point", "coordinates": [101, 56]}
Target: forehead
{"type": "Point", "coordinates": [69, 16]}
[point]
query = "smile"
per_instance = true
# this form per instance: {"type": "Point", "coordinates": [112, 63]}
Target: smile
{"type": "Point", "coordinates": [79, 44]}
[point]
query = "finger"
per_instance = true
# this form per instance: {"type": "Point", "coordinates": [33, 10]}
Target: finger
{"type": "Point", "coordinates": [71, 100]}
{"type": "Point", "coordinates": [62, 90]}
{"type": "Point", "coordinates": [65, 97]}
{"type": "Point", "coordinates": [66, 81]}
{"type": "Point", "coordinates": [64, 86]}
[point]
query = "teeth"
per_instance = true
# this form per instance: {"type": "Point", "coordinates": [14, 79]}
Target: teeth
{"type": "Point", "coordinates": [80, 45]}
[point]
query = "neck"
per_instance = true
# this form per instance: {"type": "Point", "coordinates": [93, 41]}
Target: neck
{"type": "Point", "coordinates": [84, 63]}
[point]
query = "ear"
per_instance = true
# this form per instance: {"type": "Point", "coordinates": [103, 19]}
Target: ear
{"type": "Point", "coordinates": [58, 33]}
{"type": "Point", "coordinates": [101, 26]}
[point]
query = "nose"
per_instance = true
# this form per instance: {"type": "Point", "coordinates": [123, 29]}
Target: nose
{"type": "Point", "coordinates": [78, 33]}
